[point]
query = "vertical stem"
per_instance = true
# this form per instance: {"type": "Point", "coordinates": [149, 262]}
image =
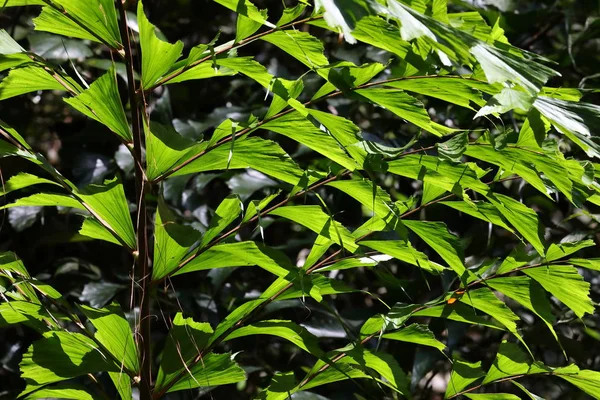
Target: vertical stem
{"type": "Point", "coordinates": [143, 276]}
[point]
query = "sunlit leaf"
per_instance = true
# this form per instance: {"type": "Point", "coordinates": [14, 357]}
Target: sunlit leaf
{"type": "Point", "coordinates": [157, 56]}
{"type": "Point", "coordinates": [102, 103]}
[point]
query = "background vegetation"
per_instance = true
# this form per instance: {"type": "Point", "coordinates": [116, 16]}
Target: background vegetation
{"type": "Point", "coordinates": [97, 272]}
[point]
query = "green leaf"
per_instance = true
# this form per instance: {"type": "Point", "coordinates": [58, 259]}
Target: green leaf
{"type": "Point", "coordinates": [593, 263]}
{"type": "Point", "coordinates": [512, 361]}
{"type": "Point", "coordinates": [343, 15]}
{"type": "Point", "coordinates": [293, 90]}
{"type": "Point", "coordinates": [418, 334]}
{"type": "Point", "coordinates": [529, 294]}
{"type": "Point", "coordinates": [241, 254]}
{"type": "Point", "coordinates": [461, 313]}
{"type": "Point", "coordinates": [16, 3]}
{"type": "Point", "coordinates": [405, 252]}
{"type": "Point", "coordinates": [367, 261]}
{"type": "Point", "coordinates": [452, 89]}
{"type": "Point", "coordinates": [26, 80]}
{"type": "Point", "coordinates": [345, 76]}
{"type": "Point", "coordinates": [288, 330]}
{"type": "Point", "coordinates": [439, 173]}
{"type": "Point", "coordinates": [463, 375]}
{"type": "Point", "coordinates": [13, 268]}
{"type": "Point", "coordinates": [492, 396]}
{"type": "Point", "coordinates": [527, 392]}
{"type": "Point", "coordinates": [256, 206]}
{"type": "Point", "coordinates": [406, 107]}
{"type": "Point", "coordinates": [385, 364]}
{"type": "Point", "coordinates": [530, 165]}
{"type": "Point", "coordinates": [565, 283]}
{"type": "Point", "coordinates": [500, 63]}
{"type": "Point", "coordinates": [301, 45]}
{"type": "Point", "coordinates": [313, 218]}
{"type": "Point", "coordinates": [393, 320]}
{"type": "Point", "coordinates": [356, 364]}
{"type": "Point", "coordinates": [59, 356]}
{"type": "Point", "coordinates": [122, 383]}
{"type": "Point", "coordinates": [102, 103]}
{"type": "Point", "coordinates": [291, 13]}
{"type": "Point", "coordinates": [172, 241]}
{"type": "Point", "coordinates": [246, 27]}
{"type": "Point", "coordinates": [484, 300]}
{"type": "Point", "coordinates": [561, 250]}
{"type": "Point", "coordinates": [378, 32]}
{"type": "Point", "coordinates": [578, 121]}
{"type": "Point", "coordinates": [319, 248]}
{"type": "Point", "coordinates": [453, 149]}
{"type": "Point", "coordinates": [8, 45]}
{"type": "Point", "coordinates": [67, 390]}
{"type": "Point", "coordinates": [480, 209]}
{"type": "Point", "coordinates": [298, 128]}
{"type": "Point", "coordinates": [586, 380]}
{"type": "Point", "coordinates": [259, 154]}
{"type": "Point", "coordinates": [94, 20]}
{"type": "Point", "coordinates": [508, 99]}
{"type": "Point", "coordinates": [344, 131]}
{"type": "Point", "coordinates": [166, 149]}
{"type": "Point", "coordinates": [227, 212]}
{"type": "Point", "coordinates": [280, 386]}
{"type": "Point", "coordinates": [212, 370]}
{"type": "Point", "coordinates": [243, 310]}
{"type": "Point", "coordinates": [341, 372]}
{"type": "Point", "coordinates": [523, 218]}
{"type": "Point", "coordinates": [93, 229]}
{"type": "Point", "coordinates": [436, 235]}
{"type": "Point", "coordinates": [44, 200]}
{"type": "Point", "coordinates": [368, 194]}
{"type": "Point", "coordinates": [114, 332]}
{"type": "Point", "coordinates": [203, 70]}
{"type": "Point", "coordinates": [14, 134]}
{"type": "Point", "coordinates": [247, 9]}
{"type": "Point", "coordinates": [315, 286]}
{"type": "Point", "coordinates": [157, 56]}
{"type": "Point", "coordinates": [23, 180]}
{"type": "Point", "coordinates": [186, 339]}
{"type": "Point", "coordinates": [109, 205]}
{"type": "Point", "coordinates": [534, 130]}
{"type": "Point", "coordinates": [30, 314]}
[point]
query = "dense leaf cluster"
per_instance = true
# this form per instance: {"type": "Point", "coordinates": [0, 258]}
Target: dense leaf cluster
{"type": "Point", "coordinates": [419, 219]}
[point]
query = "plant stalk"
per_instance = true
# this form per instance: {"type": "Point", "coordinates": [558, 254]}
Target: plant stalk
{"type": "Point", "coordinates": [142, 275]}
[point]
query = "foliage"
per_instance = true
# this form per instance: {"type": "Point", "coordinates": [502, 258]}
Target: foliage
{"type": "Point", "coordinates": [395, 182]}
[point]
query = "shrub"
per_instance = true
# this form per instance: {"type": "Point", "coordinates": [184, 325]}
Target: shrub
{"type": "Point", "coordinates": [426, 283]}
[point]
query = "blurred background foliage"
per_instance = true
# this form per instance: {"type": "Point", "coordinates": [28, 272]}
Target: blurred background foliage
{"type": "Point", "coordinates": [567, 32]}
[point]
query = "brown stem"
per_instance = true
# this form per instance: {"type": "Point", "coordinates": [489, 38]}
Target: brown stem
{"type": "Point", "coordinates": [143, 275]}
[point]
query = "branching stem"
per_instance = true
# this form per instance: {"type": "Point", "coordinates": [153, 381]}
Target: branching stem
{"type": "Point", "coordinates": [143, 275]}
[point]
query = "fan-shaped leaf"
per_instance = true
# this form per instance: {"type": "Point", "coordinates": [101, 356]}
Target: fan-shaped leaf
{"type": "Point", "coordinates": [102, 103]}
{"type": "Point", "coordinates": [157, 56]}
{"type": "Point", "coordinates": [114, 332]}
{"type": "Point", "coordinates": [565, 283]}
